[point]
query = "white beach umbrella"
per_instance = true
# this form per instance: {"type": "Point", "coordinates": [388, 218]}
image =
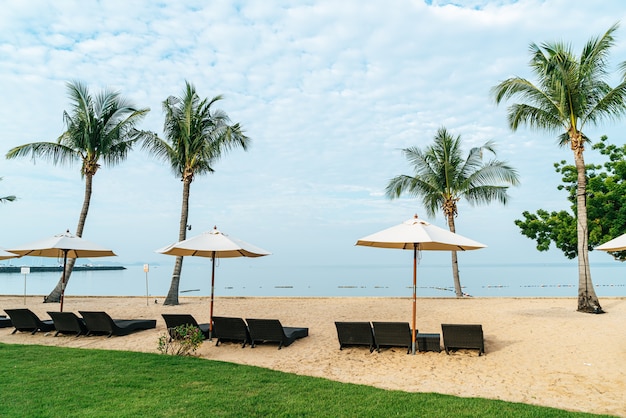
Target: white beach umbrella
{"type": "Point", "coordinates": [616, 244]}
{"type": "Point", "coordinates": [418, 235]}
{"type": "Point", "coordinates": [62, 246]}
{"type": "Point", "coordinates": [5, 255]}
{"type": "Point", "coordinates": [213, 244]}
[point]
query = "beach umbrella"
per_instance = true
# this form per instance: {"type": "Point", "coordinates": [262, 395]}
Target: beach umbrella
{"type": "Point", "coordinates": [213, 244]}
{"type": "Point", "coordinates": [616, 244]}
{"type": "Point", "coordinates": [62, 246]}
{"type": "Point", "coordinates": [5, 255]}
{"type": "Point", "coordinates": [418, 235]}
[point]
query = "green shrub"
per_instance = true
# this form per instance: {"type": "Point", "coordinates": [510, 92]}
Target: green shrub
{"type": "Point", "coordinates": [182, 340]}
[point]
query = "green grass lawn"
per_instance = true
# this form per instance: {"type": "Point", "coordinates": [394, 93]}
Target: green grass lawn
{"type": "Point", "coordinates": [53, 382]}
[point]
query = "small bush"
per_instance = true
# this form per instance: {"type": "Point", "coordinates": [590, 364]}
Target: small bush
{"type": "Point", "coordinates": [182, 340]}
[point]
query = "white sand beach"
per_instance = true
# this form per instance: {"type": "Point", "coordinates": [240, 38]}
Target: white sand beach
{"type": "Point", "coordinates": [538, 350]}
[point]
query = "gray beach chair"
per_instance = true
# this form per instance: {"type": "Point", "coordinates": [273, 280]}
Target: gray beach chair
{"type": "Point", "coordinates": [271, 330]}
{"type": "Point", "coordinates": [392, 334]}
{"type": "Point", "coordinates": [68, 323]}
{"type": "Point", "coordinates": [355, 333]}
{"type": "Point", "coordinates": [25, 320]}
{"type": "Point", "coordinates": [468, 336]}
{"type": "Point", "coordinates": [102, 323]}
{"type": "Point", "coordinates": [174, 320]}
{"type": "Point", "coordinates": [5, 322]}
{"type": "Point", "coordinates": [230, 329]}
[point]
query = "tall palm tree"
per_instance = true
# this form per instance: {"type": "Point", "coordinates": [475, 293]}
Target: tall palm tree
{"type": "Point", "coordinates": [100, 128]}
{"type": "Point", "coordinates": [196, 137]}
{"type": "Point", "coordinates": [6, 198]}
{"type": "Point", "coordinates": [571, 93]}
{"type": "Point", "coordinates": [442, 177]}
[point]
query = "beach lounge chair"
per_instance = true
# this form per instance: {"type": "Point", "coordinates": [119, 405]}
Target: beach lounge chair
{"type": "Point", "coordinates": [466, 336]}
{"type": "Point", "coordinates": [102, 323]}
{"type": "Point", "coordinates": [230, 329]}
{"type": "Point", "coordinates": [271, 330]}
{"type": "Point", "coordinates": [5, 322]}
{"type": "Point", "coordinates": [175, 320]}
{"type": "Point", "coordinates": [355, 333]}
{"type": "Point", "coordinates": [25, 320]}
{"type": "Point", "coordinates": [392, 334]}
{"type": "Point", "coordinates": [68, 323]}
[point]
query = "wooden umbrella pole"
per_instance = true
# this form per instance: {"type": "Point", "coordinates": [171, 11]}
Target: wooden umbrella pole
{"type": "Point", "coordinates": [63, 278]}
{"type": "Point", "coordinates": [413, 336]}
{"type": "Point", "coordinates": [212, 287]}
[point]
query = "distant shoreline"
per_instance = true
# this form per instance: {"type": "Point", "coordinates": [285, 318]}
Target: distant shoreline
{"type": "Point", "coordinates": [52, 269]}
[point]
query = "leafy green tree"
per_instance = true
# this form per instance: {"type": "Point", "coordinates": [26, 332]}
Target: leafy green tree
{"type": "Point", "coordinates": [571, 93]}
{"type": "Point", "coordinates": [442, 177]}
{"type": "Point", "coordinates": [100, 129]}
{"type": "Point", "coordinates": [196, 137]}
{"type": "Point", "coordinates": [606, 206]}
{"type": "Point", "coordinates": [6, 198]}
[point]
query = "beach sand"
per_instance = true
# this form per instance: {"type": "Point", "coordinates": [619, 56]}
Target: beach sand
{"type": "Point", "coordinates": [538, 350]}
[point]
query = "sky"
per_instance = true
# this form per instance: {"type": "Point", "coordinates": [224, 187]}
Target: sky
{"type": "Point", "coordinates": [329, 93]}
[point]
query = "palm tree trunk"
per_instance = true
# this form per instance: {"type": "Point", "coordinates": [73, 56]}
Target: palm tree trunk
{"type": "Point", "coordinates": [172, 294]}
{"type": "Point", "coordinates": [455, 262]}
{"type": "Point", "coordinates": [587, 299]}
{"type": "Point", "coordinates": [55, 295]}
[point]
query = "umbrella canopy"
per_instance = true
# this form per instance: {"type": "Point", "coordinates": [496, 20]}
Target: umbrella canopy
{"type": "Point", "coordinates": [418, 235]}
{"type": "Point", "coordinates": [421, 233]}
{"type": "Point", "coordinates": [616, 244]}
{"type": "Point", "coordinates": [213, 244]}
{"type": "Point", "coordinates": [4, 255]}
{"type": "Point", "coordinates": [63, 246]}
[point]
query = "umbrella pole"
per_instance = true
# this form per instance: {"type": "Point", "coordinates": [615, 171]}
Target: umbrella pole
{"type": "Point", "coordinates": [212, 293]}
{"type": "Point", "coordinates": [63, 278]}
{"type": "Point", "coordinates": [414, 296]}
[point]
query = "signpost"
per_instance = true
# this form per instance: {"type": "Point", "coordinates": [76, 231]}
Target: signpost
{"type": "Point", "coordinates": [146, 268]}
{"type": "Point", "coordinates": [25, 271]}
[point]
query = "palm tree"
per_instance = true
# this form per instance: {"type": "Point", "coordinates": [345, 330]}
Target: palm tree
{"type": "Point", "coordinates": [443, 177]}
{"type": "Point", "coordinates": [6, 198]}
{"type": "Point", "coordinates": [196, 137]}
{"type": "Point", "coordinates": [100, 128]}
{"type": "Point", "coordinates": [572, 92]}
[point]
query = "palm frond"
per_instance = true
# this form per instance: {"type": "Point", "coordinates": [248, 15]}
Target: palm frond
{"type": "Point", "coordinates": [52, 151]}
{"type": "Point", "coordinates": [442, 175]}
{"type": "Point", "coordinates": [197, 134]}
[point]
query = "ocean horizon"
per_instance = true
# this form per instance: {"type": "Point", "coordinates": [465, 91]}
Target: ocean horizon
{"type": "Point", "coordinates": [243, 279]}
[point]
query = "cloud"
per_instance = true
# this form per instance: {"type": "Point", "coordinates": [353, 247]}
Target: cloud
{"type": "Point", "coordinates": [329, 92]}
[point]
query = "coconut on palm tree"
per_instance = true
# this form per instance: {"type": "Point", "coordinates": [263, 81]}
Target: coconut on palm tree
{"type": "Point", "coordinates": [100, 129]}
{"type": "Point", "coordinates": [443, 176]}
{"type": "Point", "coordinates": [571, 93]}
{"type": "Point", "coordinates": [196, 136]}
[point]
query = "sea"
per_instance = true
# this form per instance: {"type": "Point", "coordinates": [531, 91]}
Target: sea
{"type": "Point", "coordinates": [238, 279]}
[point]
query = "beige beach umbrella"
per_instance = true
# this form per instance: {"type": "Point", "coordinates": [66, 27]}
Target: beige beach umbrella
{"type": "Point", "coordinates": [213, 244]}
{"type": "Point", "coordinates": [616, 244]}
{"type": "Point", "coordinates": [62, 246]}
{"type": "Point", "coordinates": [418, 235]}
{"type": "Point", "coordinates": [5, 255]}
